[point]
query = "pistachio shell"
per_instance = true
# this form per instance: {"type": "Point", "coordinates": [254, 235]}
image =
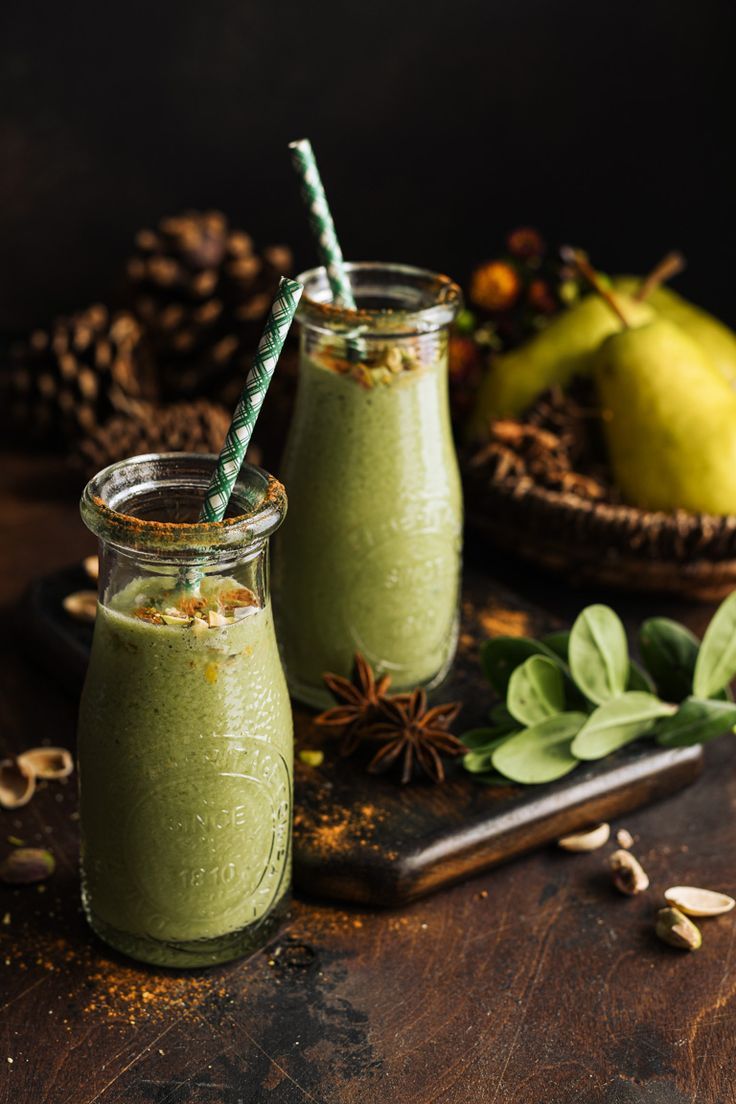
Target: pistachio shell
{"type": "Point", "coordinates": [91, 565]}
{"type": "Point", "coordinates": [17, 784]}
{"type": "Point", "coordinates": [26, 865]}
{"type": "Point", "coordinates": [698, 902]}
{"type": "Point", "coordinates": [624, 839]}
{"type": "Point", "coordinates": [628, 875]}
{"type": "Point", "coordinates": [673, 927]}
{"type": "Point", "coordinates": [586, 841]}
{"type": "Point", "coordinates": [82, 605]}
{"type": "Point", "coordinates": [47, 762]}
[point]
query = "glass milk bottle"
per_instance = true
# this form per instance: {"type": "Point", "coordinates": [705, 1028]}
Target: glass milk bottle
{"type": "Point", "coordinates": [185, 729]}
{"type": "Point", "coordinates": [369, 559]}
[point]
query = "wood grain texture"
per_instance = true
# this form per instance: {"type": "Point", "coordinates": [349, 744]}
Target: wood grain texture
{"type": "Point", "coordinates": [365, 839]}
{"type": "Point", "coordinates": [549, 990]}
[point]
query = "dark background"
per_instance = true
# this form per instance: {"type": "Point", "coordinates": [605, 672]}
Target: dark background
{"type": "Point", "coordinates": [438, 126]}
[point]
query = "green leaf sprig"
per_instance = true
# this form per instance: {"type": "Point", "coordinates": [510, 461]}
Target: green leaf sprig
{"type": "Point", "coordinates": [577, 695]}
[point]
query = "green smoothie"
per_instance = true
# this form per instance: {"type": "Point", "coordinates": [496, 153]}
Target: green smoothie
{"type": "Point", "coordinates": [369, 557]}
{"type": "Point", "coordinates": [185, 755]}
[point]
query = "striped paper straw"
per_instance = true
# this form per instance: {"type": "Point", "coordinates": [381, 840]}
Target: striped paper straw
{"type": "Point", "coordinates": [246, 412]}
{"type": "Point", "coordinates": [320, 219]}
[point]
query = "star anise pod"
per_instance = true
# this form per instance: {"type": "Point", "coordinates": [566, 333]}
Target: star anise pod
{"type": "Point", "coordinates": [360, 696]}
{"type": "Point", "coordinates": [412, 733]}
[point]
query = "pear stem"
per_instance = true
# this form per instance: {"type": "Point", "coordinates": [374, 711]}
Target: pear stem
{"type": "Point", "coordinates": [668, 267]}
{"type": "Point", "coordinates": [577, 258]}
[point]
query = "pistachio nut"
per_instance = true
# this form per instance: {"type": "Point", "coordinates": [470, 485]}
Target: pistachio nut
{"type": "Point", "coordinates": [26, 865]}
{"type": "Point", "coordinates": [698, 902]}
{"type": "Point", "coordinates": [47, 762]}
{"type": "Point", "coordinates": [628, 874]}
{"type": "Point", "coordinates": [17, 784]}
{"type": "Point", "coordinates": [673, 927]}
{"type": "Point", "coordinates": [589, 840]}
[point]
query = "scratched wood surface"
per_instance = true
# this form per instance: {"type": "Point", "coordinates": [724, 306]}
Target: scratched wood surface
{"type": "Point", "coordinates": [365, 839]}
{"type": "Point", "coordinates": [532, 984]}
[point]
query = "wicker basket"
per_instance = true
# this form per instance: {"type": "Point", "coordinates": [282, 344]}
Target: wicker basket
{"type": "Point", "coordinates": [590, 541]}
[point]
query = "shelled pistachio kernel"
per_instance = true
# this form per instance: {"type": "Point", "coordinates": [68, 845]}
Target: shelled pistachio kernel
{"type": "Point", "coordinates": [26, 865]}
{"type": "Point", "coordinates": [312, 758]}
{"type": "Point", "coordinates": [628, 874]}
{"type": "Point", "coordinates": [586, 841]}
{"type": "Point", "coordinates": [698, 902]}
{"type": "Point", "coordinates": [675, 928]}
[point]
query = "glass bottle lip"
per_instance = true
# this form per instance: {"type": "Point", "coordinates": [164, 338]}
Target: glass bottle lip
{"type": "Point", "coordinates": [108, 503]}
{"type": "Point", "coordinates": [424, 300]}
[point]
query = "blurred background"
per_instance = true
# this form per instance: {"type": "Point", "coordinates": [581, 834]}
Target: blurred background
{"type": "Point", "coordinates": [437, 126]}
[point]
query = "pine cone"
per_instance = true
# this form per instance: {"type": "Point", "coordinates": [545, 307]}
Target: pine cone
{"type": "Point", "coordinates": [63, 383]}
{"type": "Point", "coordinates": [202, 294]}
{"type": "Point", "coordinates": [182, 427]}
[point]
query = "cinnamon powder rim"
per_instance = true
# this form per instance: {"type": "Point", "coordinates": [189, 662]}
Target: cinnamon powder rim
{"type": "Point", "coordinates": [444, 293]}
{"type": "Point", "coordinates": [116, 526]}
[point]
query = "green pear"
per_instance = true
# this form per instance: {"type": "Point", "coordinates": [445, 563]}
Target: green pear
{"type": "Point", "coordinates": [716, 340]}
{"type": "Point", "coordinates": [551, 358]}
{"type": "Point", "coordinates": [669, 420]}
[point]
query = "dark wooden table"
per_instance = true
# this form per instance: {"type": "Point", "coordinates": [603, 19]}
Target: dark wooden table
{"type": "Point", "coordinates": [534, 984]}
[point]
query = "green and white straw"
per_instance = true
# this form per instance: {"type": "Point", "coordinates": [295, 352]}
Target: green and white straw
{"type": "Point", "coordinates": [238, 437]}
{"type": "Point", "coordinates": [320, 219]}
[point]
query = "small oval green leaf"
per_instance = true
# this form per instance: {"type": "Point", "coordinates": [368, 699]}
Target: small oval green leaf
{"type": "Point", "coordinates": [540, 753]}
{"type": "Point", "coordinates": [476, 738]}
{"type": "Point", "coordinates": [669, 651]}
{"type": "Point", "coordinates": [536, 690]}
{"type": "Point", "coordinates": [599, 654]}
{"type": "Point", "coordinates": [558, 642]}
{"type": "Point", "coordinates": [616, 723]}
{"type": "Point", "coordinates": [499, 714]}
{"type": "Point", "coordinates": [639, 680]}
{"type": "Point", "coordinates": [716, 662]}
{"type": "Point", "coordinates": [501, 655]}
{"type": "Point", "coordinates": [696, 722]}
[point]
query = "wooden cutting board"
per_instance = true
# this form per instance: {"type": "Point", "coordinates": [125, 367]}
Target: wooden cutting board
{"type": "Point", "coordinates": [367, 839]}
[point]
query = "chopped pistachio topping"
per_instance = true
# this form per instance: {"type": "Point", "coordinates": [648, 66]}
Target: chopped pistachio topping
{"type": "Point", "coordinates": [218, 602]}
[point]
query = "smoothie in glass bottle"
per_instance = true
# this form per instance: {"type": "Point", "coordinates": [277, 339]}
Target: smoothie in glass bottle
{"type": "Point", "coordinates": [369, 559]}
{"type": "Point", "coordinates": [185, 734]}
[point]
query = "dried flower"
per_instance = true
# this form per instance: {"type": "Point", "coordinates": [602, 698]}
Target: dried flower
{"type": "Point", "coordinates": [495, 286]}
{"type": "Point", "coordinates": [541, 298]}
{"type": "Point", "coordinates": [525, 242]}
{"type": "Point", "coordinates": [411, 732]}
{"type": "Point", "coordinates": [360, 698]}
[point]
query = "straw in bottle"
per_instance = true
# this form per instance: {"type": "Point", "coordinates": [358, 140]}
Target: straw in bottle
{"type": "Point", "coordinates": [320, 219]}
{"type": "Point", "coordinates": [238, 437]}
